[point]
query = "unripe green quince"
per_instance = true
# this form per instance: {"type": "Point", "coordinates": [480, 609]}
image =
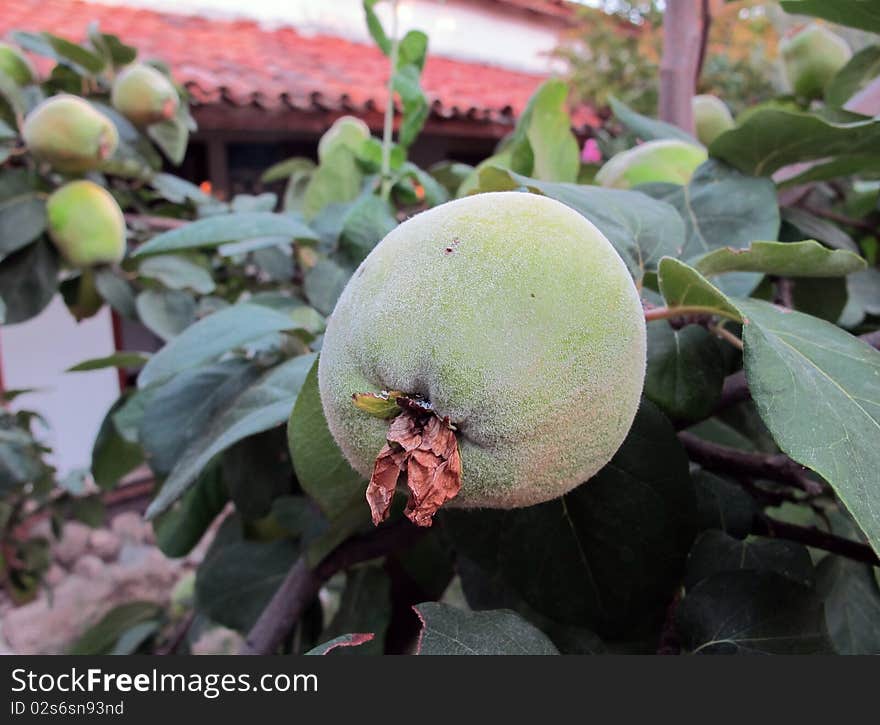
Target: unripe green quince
{"type": "Point", "coordinates": [16, 66]}
{"type": "Point", "coordinates": [665, 160]}
{"type": "Point", "coordinates": [812, 57]}
{"type": "Point", "coordinates": [347, 131]}
{"type": "Point", "coordinates": [712, 117]}
{"type": "Point", "coordinates": [86, 224]}
{"type": "Point", "coordinates": [144, 95]}
{"type": "Point", "coordinates": [513, 316]}
{"type": "Point", "coordinates": [70, 134]}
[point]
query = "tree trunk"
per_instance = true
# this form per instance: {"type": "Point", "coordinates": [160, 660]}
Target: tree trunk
{"type": "Point", "coordinates": [682, 26]}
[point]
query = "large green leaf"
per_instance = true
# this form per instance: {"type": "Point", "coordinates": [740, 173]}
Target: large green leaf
{"type": "Point", "coordinates": [112, 455]}
{"type": "Point", "coordinates": [641, 229]}
{"type": "Point", "coordinates": [216, 230]}
{"type": "Point", "coordinates": [166, 313]}
{"type": "Point", "coordinates": [28, 281]}
{"type": "Point", "coordinates": [817, 389]}
{"type": "Point", "coordinates": [450, 631]}
{"type": "Point", "coordinates": [723, 505]}
{"type": "Point", "coordinates": [861, 69]}
{"type": "Point", "coordinates": [683, 286]}
{"type": "Point", "coordinates": [685, 372]}
{"type": "Point", "coordinates": [716, 551]}
{"type": "Point", "coordinates": [177, 272]}
{"type": "Point", "coordinates": [770, 138]}
{"type": "Point", "coordinates": [606, 556]}
{"type": "Point", "coordinates": [264, 405]}
{"type": "Point", "coordinates": [179, 529]}
{"type": "Point", "coordinates": [238, 578]}
{"type": "Point", "coordinates": [852, 605]}
{"type": "Point", "coordinates": [785, 259]}
{"type": "Point", "coordinates": [863, 14]}
{"type": "Point", "coordinates": [554, 147]}
{"type": "Point", "coordinates": [22, 219]}
{"type": "Point", "coordinates": [320, 467]}
{"type": "Point", "coordinates": [647, 129]}
{"type": "Point", "coordinates": [177, 413]}
{"type": "Point", "coordinates": [751, 612]}
{"type": "Point", "coordinates": [122, 359]}
{"type": "Point", "coordinates": [211, 337]}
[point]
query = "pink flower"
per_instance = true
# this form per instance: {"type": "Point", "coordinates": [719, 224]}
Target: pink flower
{"type": "Point", "coordinates": [590, 153]}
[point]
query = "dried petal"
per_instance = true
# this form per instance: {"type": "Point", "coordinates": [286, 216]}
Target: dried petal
{"type": "Point", "coordinates": [426, 449]}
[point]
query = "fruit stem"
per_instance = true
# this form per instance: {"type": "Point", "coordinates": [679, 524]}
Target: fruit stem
{"type": "Point", "coordinates": [665, 313]}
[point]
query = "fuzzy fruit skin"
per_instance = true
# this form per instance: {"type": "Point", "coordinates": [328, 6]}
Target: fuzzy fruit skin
{"type": "Point", "coordinates": [16, 66]}
{"type": "Point", "coordinates": [70, 134]}
{"type": "Point", "coordinates": [517, 319]}
{"type": "Point", "coordinates": [346, 131]}
{"type": "Point", "coordinates": [665, 160]}
{"type": "Point", "coordinates": [86, 224]}
{"type": "Point", "coordinates": [812, 57]}
{"type": "Point", "coordinates": [144, 96]}
{"type": "Point", "coordinates": [712, 117]}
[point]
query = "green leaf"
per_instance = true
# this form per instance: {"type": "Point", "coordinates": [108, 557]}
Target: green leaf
{"type": "Point", "coordinates": [343, 640]}
{"type": "Point", "coordinates": [257, 472]}
{"type": "Point", "coordinates": [112, 455]}
{"type": "Point", "coordinates": [723, 505]}
{"type": "Point", "coordinates": [167, 313]}
{"type": "Point", "coordinates": [714, 552]}
{"type": "Point", "coordinates": [415, 103]}
{"type": "Point", "coordinates": [287, 168]}
{"type": "Point", "coordinates": [114, 50]}
{"type": "Point", "coordinates": [179, 529]}
{"type": "Point", "coordinates": [264, 405]}
{"type": "Point", "coordinates": [171, 136]}
{"type": "Point", "coordinates": [811, 226]}
{"type": "Point", "coordinates": [784, 259]}
{"type": "Point", "coordinates": [682, 286]}
{"type": "Point", "coordinates": [28, 281]}
{"type": "Point", "coordinates": [179, 191]}
{"type": "Point", "coordinates": [606, 556]}
{"type": "Point", "coordinates": [861, 14]}
{"type": "Point", "coordinates": [22, 220]}
{"type": "Point", "coordinates": [852, 605]}
{"type": "Point", "coordinates": [116, 292]}
{"type": "Point", "coordinates": [554, 147]}
{"type": "Point", "coordinates": [751, 612]}
{"type": "Point", "coordinates": [685, 371]}
{"type": "Point", "coordinates": [641, 229]}
{"type": "Point", "coordinates": [647, 129]}
{"type": "Point", "coordinates": [51, 46]}
{"type": "Point", "coordinates": [817, 389]}
{"type": "Point", "coordinates": [337, 179]}
{"type": "Point", "coordinates": [123, 359]}
{"type": "Point", "coordinates": [365, 607]}
{"type": "Point", "coordinates": [177, 272]}
{"type": "Point", "coordinates": [101, 637]}
{"type": "Point", "coordinates": [238, 578]}
{"type": "Point", "coordinates": [222, 228]}
{"type": "Point", "coordinates": [177, 413]}
{"type": "Point", "coordinates": [413, 49]}
{"type": "Point", "coordinates": [861, 69]}
{"type": "Point", "coordinates": [450, 631]}
{"type": "Point", "coordinates": [210, 337]}
{"type": "Point", "coordinates": [324, 283]}
{"type": "Point", "coordinates": [771, 138]}
{"type": "Point", "coordinates": [320, 467]}
{"type": "Point", "coordinates": [368, 220]}
{"type": "Point", "coordinates": [374, 25]}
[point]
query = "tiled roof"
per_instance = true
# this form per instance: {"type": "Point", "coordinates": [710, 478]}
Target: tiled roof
{"type": "Point", "coordinates": [241, 64]}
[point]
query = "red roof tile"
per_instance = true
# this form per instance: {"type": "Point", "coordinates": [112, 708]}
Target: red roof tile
{"type": "Point", "coordinates": [240, 63]}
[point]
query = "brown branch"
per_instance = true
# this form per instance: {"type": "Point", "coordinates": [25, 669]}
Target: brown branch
{"type": "Point", "coordinates": [774, 466]}
{"type": "Point", "coordinates": [156, 222]}
{"type": "Point", "coordinates": [681, 49]}
{"type": "Point", "coordinates": [706, 17]}
{"type": "Point", "coordinates": [784, 292]}
{"type": "Point", "coordinates": [766, 526]}
{"type": "Point", "coordinates": [302, 583]}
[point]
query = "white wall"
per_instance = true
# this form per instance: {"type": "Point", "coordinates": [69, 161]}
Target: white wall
{"type": "Point", "coordinates": [456, 29]}
{"type": "Point", "coordinates": [34, 354]}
